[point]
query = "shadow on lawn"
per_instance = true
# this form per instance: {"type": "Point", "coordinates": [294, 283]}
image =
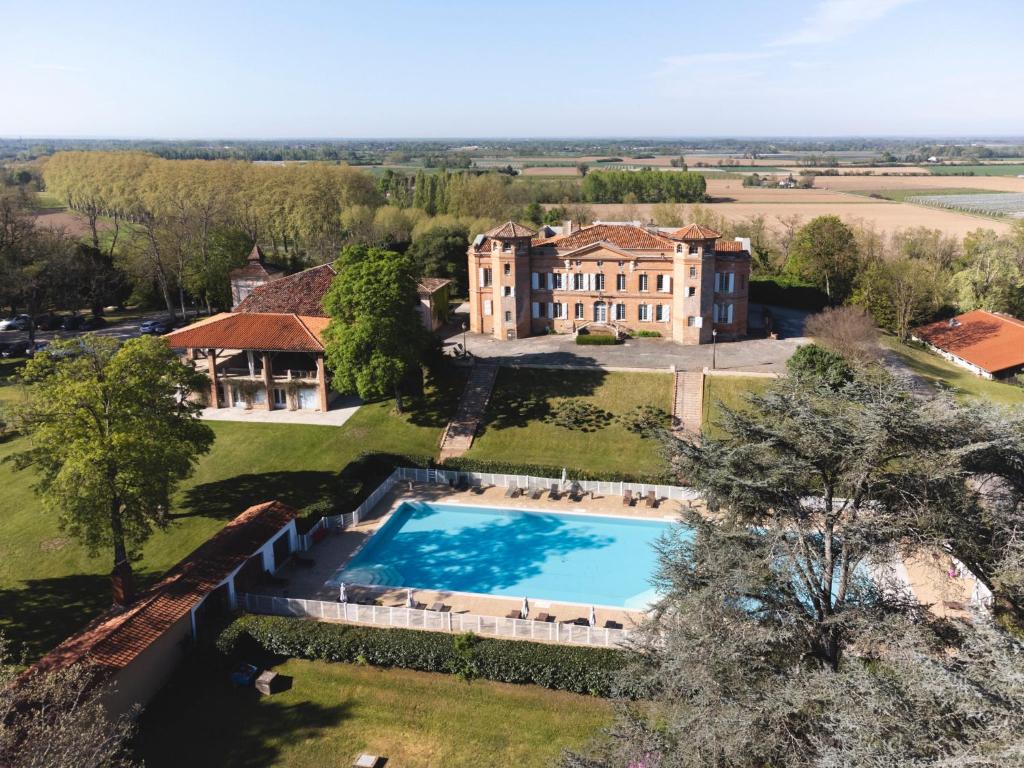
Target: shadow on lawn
{"type": "Point", "coordinates": [40, 613]}
{"type": "Point", "coordinates": [523, 396]}
{"type": "Point", "coordinates": [200, 719]}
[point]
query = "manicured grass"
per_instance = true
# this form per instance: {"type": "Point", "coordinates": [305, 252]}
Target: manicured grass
{"type": "Point", "coordinates": [46, 201]}
{"type": "Point", "coordinates": [49, 586]}
{"type": "Point", "coordinates": [728, 391]}
{"type": "Point", "coordinates": [941, 372]}
{"type": "Point", "coordinates": [333, 712]}
{"type": "Point", "coordinates": [515, 428]}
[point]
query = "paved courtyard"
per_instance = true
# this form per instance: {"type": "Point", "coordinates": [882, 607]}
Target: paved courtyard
{"type": "Point", "coordinates": [341, 410]}
{"type": "Point", "coordinates": [758, 355]}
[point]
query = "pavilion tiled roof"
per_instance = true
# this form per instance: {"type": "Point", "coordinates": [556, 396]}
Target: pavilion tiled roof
{"type": "Point", "coordinates": [990, 340]}
{"type": "Point", "coordinates": [114, 639]}
{"type": "Point", "coordinates": [256, 266]}
{"type": "Point", "coordinates": [729, 246]}
{"type": "Point", "coordinates": [300, 294]}
{"type": "Point", "coordinates": [696, 232]}
{"type": "Point", "coordinates": [429, 285]}
{"type": "Point", "coordinates": [269, 331]}
{"type": "Point", "coordinates": [510, 229]}
{"type": "Point", "coordinates": [626, 236]}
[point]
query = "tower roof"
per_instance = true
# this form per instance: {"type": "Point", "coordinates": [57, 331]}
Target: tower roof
{"type": "Point", "coordinates": [696, 232]}
{"type": "Point", "coordinates": [509, 230]}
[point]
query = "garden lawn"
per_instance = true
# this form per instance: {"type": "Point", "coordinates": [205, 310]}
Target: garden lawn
{"type": "Point", "coordinates": [517, 425]}
{"type": "Point", "coordinates": [49, 586]}
{"type": "Point", "coordinates": [728, 391]}
{"type": "Point", "coordinates": [333, 712]}
{"type": "Point", "coordinates": [938, 371]}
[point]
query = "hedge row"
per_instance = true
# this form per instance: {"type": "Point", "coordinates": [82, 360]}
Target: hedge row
{"type": "Point", "coordinates": [466, 464]}
{"type": "Point", "coordinates": [786, 292]}
{"type": "Point", "coordinates": [596, 339]}
{"type": "Point", "coordinates": [561, 667]}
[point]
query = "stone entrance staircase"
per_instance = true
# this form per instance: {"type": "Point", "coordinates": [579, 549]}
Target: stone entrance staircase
{"type": "Point", "coordinates": [458, 435]}
{"type": "Point", "coordinates": [688, 402]}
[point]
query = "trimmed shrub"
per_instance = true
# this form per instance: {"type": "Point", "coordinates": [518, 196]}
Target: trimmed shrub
{"type": "Point", "coordinates": [596, 339]}
{"type": "Point", "coordinates": [561, 667]}
{"type": "Point", "coordinates": [647, 334]}
{"type": "Point", "coordinates": [787, 292]}
{"type": "Point", "coordinates": [465, 464]}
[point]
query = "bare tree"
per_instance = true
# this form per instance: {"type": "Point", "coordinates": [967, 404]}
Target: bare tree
{"type": "Point", "coordinates": [848, 330]}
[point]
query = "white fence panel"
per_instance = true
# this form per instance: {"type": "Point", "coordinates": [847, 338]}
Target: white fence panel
{"type": "Point", "coordinates": [416, 618]}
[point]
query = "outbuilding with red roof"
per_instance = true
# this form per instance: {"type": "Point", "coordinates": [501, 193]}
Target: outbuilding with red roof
{"type": "Point", "coordinates": [990, 344]}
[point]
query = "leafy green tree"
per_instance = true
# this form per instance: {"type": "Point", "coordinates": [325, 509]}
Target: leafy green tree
{"type": "Point", "coordinates": [824, 253]}
{"type": "Point", "coordinates": [375, 338]}
{"type": "Point", "coordinates": [900, 293]}
{"type": "Point", "coordinates": [534, 213]}
{"type": "Point", "coordinates": [441, 252]}
{"type": "Point", "coordinates": [817, 364]}
{"type": "Point", "coordinates": [111, 434]}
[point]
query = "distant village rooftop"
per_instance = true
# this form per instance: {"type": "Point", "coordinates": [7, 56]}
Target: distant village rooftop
{"type": "Point", "coordinates": [990, 344]}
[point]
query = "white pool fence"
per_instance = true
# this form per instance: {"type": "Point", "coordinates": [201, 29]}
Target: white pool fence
{"type": "Point", "coordinates": [437, 621]}
{"type": "Point", "coordinates": [452, 477]}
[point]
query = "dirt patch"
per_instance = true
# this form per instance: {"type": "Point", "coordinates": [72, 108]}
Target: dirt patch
{"type": "Point", "coordinates": [53, 545]}
{"type": "Point", "coordinates": [73, 223]}
{"type": "Point", "coordinates": [554, 170]}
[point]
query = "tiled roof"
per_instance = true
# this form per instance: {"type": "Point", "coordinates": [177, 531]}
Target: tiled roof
{"type": "Point", "coordinates": [626, 236]}
{"type": "Point", "coordinates": [277, 332]}
{"type": "Point", "coordinates": [992, 341]}
{"type": "Point", "coordinates": [256, 266]}
{"type": "Point", "coordinates": [729, 246]}
{"type": "Point", "coordinates": [114, 639]}
{"type": "Point", "coordinates": [510, 229]}
{"type": "Point", "coordinates": [696, 232]}
{"type": "Point", "coordinates": [300, 294]}
{"type": "Point", "coordinates": [431, 285]}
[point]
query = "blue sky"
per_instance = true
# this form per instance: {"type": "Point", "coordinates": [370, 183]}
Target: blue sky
{"type": "Point", "coordinates": [434, 68]}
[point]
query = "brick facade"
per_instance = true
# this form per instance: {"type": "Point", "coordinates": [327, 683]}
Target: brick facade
{"type": "Point", "coordinates": [682, 283]}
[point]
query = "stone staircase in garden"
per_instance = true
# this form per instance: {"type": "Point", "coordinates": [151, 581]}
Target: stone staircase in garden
{"type": "Point", "coordinates": [458, 435]}
{"type": "Point", "coordinates": [688, 402]}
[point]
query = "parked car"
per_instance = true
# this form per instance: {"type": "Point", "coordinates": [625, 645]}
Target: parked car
{"type": "Point", "coordinates": [16, 323]}
{"type": "Point", "coordinates": [72, 323]}
{"type": "Point", "coordinates": [48, 322]}
{"type": "Point", "coordinates": [157, 326]}
{"type": "Point", "coordinates": [92, 322]}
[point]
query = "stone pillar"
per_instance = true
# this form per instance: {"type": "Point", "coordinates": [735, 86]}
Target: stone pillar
{"type": "Point", "coordinates": [211, 358]}
{"type": "Point", "coordinates": [321, 380]}
{"type": "Point", "coordinates": [268, 380]}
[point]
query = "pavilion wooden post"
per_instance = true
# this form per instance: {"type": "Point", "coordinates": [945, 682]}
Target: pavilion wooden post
{"type": "Point", "coordinates": [211, 356]}
{"type": "Point", "coordinates": [321, 380]}
{"type": "Point", "coordinates": [268, 380]}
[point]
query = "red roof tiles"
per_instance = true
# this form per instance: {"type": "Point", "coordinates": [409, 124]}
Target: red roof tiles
{"type": "Point", "coordinates": [300, 294]}
{"type": "Point", "coordinates": [729, 246]}
{"type": "Point", "coordinates": [429, 285]}
{"type": "Point", "coordinates": [510, 229]}
{"type": "Point", "coordinates": [696, 232]}
{"type": "Point", "coordinates": [992, 341]}
{"type": "Point", "coordinates": [626, 236]}
{"type": "Point", "coordinates": [253, 330]}
{"type": "Point", "coordinates": [115, 638]}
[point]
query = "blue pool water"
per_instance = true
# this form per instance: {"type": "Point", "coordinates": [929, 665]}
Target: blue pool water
{"type": "Point", "coordinates": [572, 558]}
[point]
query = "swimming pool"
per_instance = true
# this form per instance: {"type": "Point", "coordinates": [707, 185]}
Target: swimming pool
{"type": "Point", "coordinates": [561, 557]}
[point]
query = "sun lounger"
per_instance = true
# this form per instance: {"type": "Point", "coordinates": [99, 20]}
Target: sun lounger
{"type": "Point", "coordinates": [463, 483]}
{"type": "Point", "coordinates": [536, 492]}
{"type": "Point", "coordinates": [440, 608]}
{"type": "Point", "coordinates": [627, 498]}
{"type": "Point", "coordinates": [650, 499]}
{"type": "Point", "coordinates": [514, 615]}
{"type": "Point", "coordinates": [477, 489]}
{"type": "Point", "coordinates": [553, 493]}
{"type": "Point", "coordinates": [510, 492]}
{"type": "Point", "coordinates": [612, 625]}
{"type": "Point", "coordinates": [544, 617]}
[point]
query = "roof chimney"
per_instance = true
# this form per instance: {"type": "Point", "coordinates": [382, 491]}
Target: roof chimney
{"type": "Point", "coordinates": [569, 226]}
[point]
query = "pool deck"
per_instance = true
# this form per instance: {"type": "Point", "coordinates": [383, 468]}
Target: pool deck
{"type": "Point", "coordinates": [308, 581]}
{"type": "Point", "coordinates": [932, 576]}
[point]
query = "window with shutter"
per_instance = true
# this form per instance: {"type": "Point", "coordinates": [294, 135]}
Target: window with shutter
{"type": "Point", "coordinates": [535, 280]}
{"type": "Point", "coordinates": [620, 282]}
{"type": "Point", "coordinates": [535, 308]}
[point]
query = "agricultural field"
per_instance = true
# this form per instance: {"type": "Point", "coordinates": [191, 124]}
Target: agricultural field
{"type": "Point", "coordinates": [995, 204]}
{"type": "Point", "coordinates": [994, 169]}
{"type": "Point", "coordinates": [861, 183]}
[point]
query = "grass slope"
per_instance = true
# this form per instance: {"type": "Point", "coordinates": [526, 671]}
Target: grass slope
{"type": "Point", "coordinates": [938, 371]}
{"type": "Point", "coordinates": [49, 586]}
{"type": "Point", "coordinates": [515, 429]}
{"type": "Point", "coordinates": [727, 391]}
{"type": "Point", "coordinates": [335, 711]}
